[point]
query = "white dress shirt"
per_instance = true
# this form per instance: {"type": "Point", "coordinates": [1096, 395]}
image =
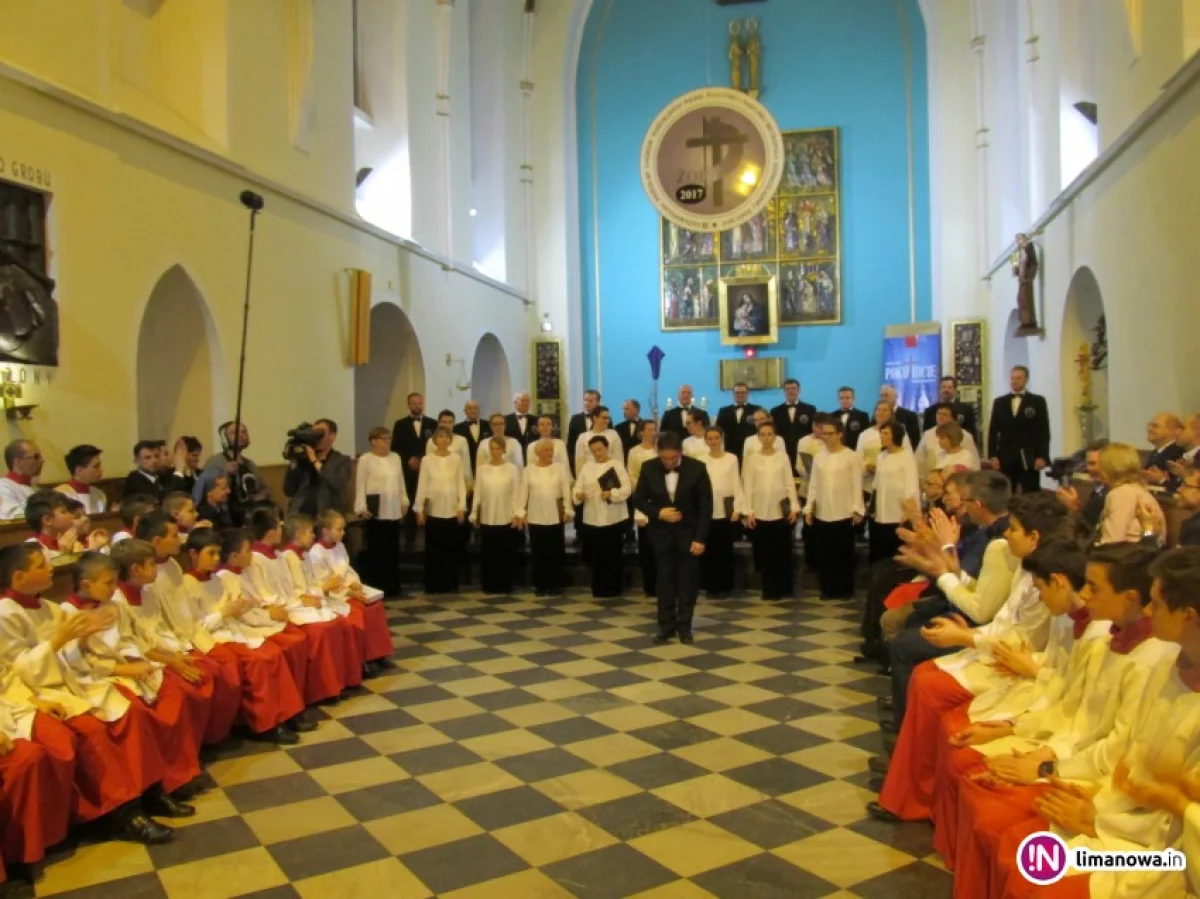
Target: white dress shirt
{"type": "Point", "coordinates": [836, 488]}
{"type": "Point", "coordinates": [870, 445]}
{"type": "Point", "coordinates": [726, 481]}
{"type": "Point", "coordinates": [766, 482]}
{"type": "Point", "coordinates": [458, 444]}
{"type": "Point", "coordinates": [441, 486]}
{"type": "Point", "coordinates": [13, 496]}
{"type": "Point", "coordinates": [382, 475]}
{"type": "Point", "coordinates": [583, 452]}
{"type": "Point", "coordinates": [895, 484]}
{"type": "Point", "coordinates": [543, 487]}
{"type": "Point", "coordinates": [512, 453]}
{"type": "Point", "coordinates": [598, 512]}
{"type": "Point", "coordinates": [496, 494]}
{"type": "Point", "coordinates": [1016, 403]}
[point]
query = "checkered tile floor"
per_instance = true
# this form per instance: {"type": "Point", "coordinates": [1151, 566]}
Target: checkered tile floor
{"type": "Point", "coordinates": [544, 748]}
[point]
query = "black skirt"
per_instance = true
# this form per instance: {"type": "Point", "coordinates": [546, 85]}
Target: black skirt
{"type": "Point", "coordinates": [605, 543]}
{"type": "Point", "coordinates": [716, 565]}
{"type": "Point", "coordinates": [497, 558]}
{"type": "Point", "coordinates": [547, 549]}
{"type": "Point", "coordinates": [442, 552]}
{"type": "Point", "coordinates": [773, 546]}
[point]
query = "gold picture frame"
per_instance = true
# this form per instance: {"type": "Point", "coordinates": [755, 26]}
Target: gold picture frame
{"type": "Point", "coordinates": [758, 373]}
{"type": "Point", "coordinates": [749, 310]}
{"type": "Point", "coordinates": [549, 379]}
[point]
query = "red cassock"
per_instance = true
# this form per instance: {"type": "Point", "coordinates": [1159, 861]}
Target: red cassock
{"type": "Point", "coordinates": [325, 673]}
{"type": "Point", "coordinates": [221, 671]}
{"type": "Point", "coordinates": [908, 788]}
{"type": "Point", "coordinates": [269, 693]}
{"type": "Point", "coordinates": [355, 634]}
{"type": "Point", "coordinates": [953, 765]}
{"type": "Point", "coordinates": [179, 716]}
{"type": "Point", "coordinates": [36, 785]}
{"type": "Point", "coordinates": [116, 762]}
{"type": "Point", "coordinates": [1011, 885]}
{"type": "Point", "coordinates": [992, 821]}
{"type": "Point", "coordinates": [374, 622]}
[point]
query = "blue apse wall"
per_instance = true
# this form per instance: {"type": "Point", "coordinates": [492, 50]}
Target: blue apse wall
{"type": "Point", "coordinates": [825, 63]}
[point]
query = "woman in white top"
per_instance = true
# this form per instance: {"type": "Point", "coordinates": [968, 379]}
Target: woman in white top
{"type": "Point", "coordinates": [752, 444]}
{"type": "Point", "coordinates": [441, 505]}
{"type": "Point", "coordinates": [695, 445]}
{"type": "Point", "coordinates": [808, 448]}
{"type": "Point", "coordinates": [512, 448]}
{"type": "Point", "coordinates": [601, 419]}
{"type": "Point", "coordinates": [381, 502]}
{"type": "Point", "coordinates": [953, 451]}
{"type": "Point", "coordinates": [835, 509]}
{"type": "Point", "coordinates": [716, 565]}
{"type": "Point", "coordinates": [870, 444]}
{"type": "Point", "coordinates": [771, 506]}
{"type": "Point", "coordinates": [929, 450]}
{"type": "Point", "coordinates": [494, 511]}
{"type": "Point", "coordinates": [458, 444]}
{"type": "Point", "coordinates": [896, 486]}
{"type": "Point", "coordinates": [639, 456]}
{"type": "Point", "coordinates": [545, 430]}
{"type": "Point", "coordinates": [602, 488]}
{"type": "Point", "coordinates": [545, 504]}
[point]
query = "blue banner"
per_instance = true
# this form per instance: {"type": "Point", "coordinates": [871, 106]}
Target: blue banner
{"type": "Point", "coordinates": [912, 363]}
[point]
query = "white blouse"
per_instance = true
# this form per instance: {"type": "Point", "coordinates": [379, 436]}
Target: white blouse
{"type": "Point", "coordinates": [382, 475]}
{"type": "Point", "coordinates": [560, 452]}
{"type": "Point", "coordinates": [870, 446]}
{"type": "Point", "coordinates": [512, 453]}
{"type": "Point", "coordinates": [458, 444]}
{"type": "Point", "coordinates": [808, 445]}
{"type": "Point", "coordinates": [930, 456]}
{"type": "Point", "coordinates": [766, 482]}
{"type": "Point", "coordinates": [726, 482]}
{"type": "Point", "coordinates": [638, 456]}
{"type": "Point", "coordinates": [836, 488]}
{"type": "Point", "coordinates": [441, 486]}
{"type": "Point", "coordinates": [583, 452]}
{"type": "Point", "coordinates": [598, 512]}
{"type": "Point", "coordinates": [496, 494]}
{"type": "Point", "coordinates": [895, 484]}
{"type": "Point", "coordinates": [696, 447]}
{"type": "Point", "coordinates": [542, 488]}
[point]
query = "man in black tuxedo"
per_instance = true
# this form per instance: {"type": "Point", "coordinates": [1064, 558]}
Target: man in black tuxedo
{"type": "Point", "coordinates": [472, 430]}
{"type": "Point", "coordinates": [673, 420]}
{"type": "Point", "coordinates": [674, 493]}
{"type": "Point", "coordinates": [1019, 434]}
{"type": "Point", "coordinates": [580, 422]}
{"type": "Point", "coordinates": [520, 425]}
{"type": "Point", "coordinates": [793, 419]}
{"type": "Point", "coordinates": [630, 430]}
{"type": "Point", "coordinates": [963, 414]}
{"type": "Point", "coordinates": [854, 421]}
{"type": "Point", "coordinates": [907, 417]}
{"type": "Point", "coordinates": [737, 421]}
{"type": "Point", "coordinates": [1163, 433]}
{"type": "Point", "coordinates": [146, 478]}
{"type": "Point", "coordinates": [409, 437]}
{"type": "Point", "coordinates": [1090, 510]}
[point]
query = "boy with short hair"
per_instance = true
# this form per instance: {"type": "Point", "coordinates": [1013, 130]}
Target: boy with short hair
{"type": "Point", "coordinates": [214, 506]}
{"type": "Point", "coordinates": [53, 528]}
{"type": "Point", "coordinates": [181, 508]}
{"type": "Point", "coordinates": [133, 508]}
{"type": "Point", "coordinates": [83, 464]}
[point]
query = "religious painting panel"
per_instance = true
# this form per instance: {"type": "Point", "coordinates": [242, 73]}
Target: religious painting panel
{"type": "Point", "coordinates": [808, 227]}
{"type": "Point", "coordinates": [810, 162]}
{"type": "Point", "coordinates": [689, 297]}
{"type": "Point", "coordinates": [968, 343]}
{"type": "Point", "coordinates": [759, 373]}
{"type": "Point", "coordinates": [753, 240]}
{"type": "Point", "coordinates": [810, 293]}
{"type": "Point", "coordinates": [681, 246]}
{"type": "Point", "coordinates": [549, 379]}
{"type": "Point", "coordinates": [749, 310]}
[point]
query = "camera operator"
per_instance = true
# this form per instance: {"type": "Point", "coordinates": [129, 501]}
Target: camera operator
{"type": "Point", "coordinates": [246, 485]}
{"type": "Point", "coordinates": [317, 476]}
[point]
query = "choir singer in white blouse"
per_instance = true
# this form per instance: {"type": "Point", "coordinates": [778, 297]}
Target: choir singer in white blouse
{"type": "Point", "coordinates": [897, 489]}
{"type": "Point", "coordinates": [381, 501]}
{"type": "Point", "coordinates": [716, 565]}
{"type": "Point", "coordinates": [835, 508]}
{"type": "Point", "coordinates": [771, 507]}
{"type": "Point", "coordinates": [638, 456]}
{"type": "Point", "coordinates": [545, 504]}
{"type": "Point", "coordinates": [441, 505]}
{"type": "Point", "coordinates": [494, 511]}
{"type": "Point", "coordinates": [602, 488]}
{"type": "Point", "coordinates": [545, 430]}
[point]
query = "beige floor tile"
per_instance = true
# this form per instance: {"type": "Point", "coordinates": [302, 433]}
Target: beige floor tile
{"type": "Point", "coordinates": [679, 889]}
{"type": "Point", "coordinates": [834, 726]}
{"type": "Point", "coordinates": [326, 732]}
{"type": "Point", "coordinates": [837, 802]}
{"type": "Point", "coordinates": [430, 663]}
{"type": "Point", "coordinates": [694, 848]}
{"type": "Point", "coordinates": [596, 650]}
{"type": "Point", "coordinates": [477, 686]}
{"type": "Point", "coordinates": [611, 750]}
{"type": "Point", "coordinates": [397, 680]}
{"type": "Point", "coordinates": [828, 656]}
{"type": "Point", "coordinates": [460, 644]}
{"type": "Point", "coordinates": [673, 651]}
{"type": "Point", "coordinates": [211, 806]}
{"type": "Point", "coordinates": [615, 633]}
{"type": "Point", "coordinates": [721, 755]}
{"type": "Point", "coordinates": [357, 775]}
{"type": "Point", "coordinates": [580, 668]}
{"type": "Point", "coordinates": [830, 624]}
{"type": "Point", "coordinates": [548, 632]}
{"type": "Point", "coordinates": [500, 617]}
{"type": "Point", "coordinates": [584, 788]}
{"type": "Point", "coordinates": [525, 647]}
{"type": "Point", "coordinates": [403, 739]}
{"type": "Point", "coordinates": [745, 673]}
{"type": "Point", "coordinates": [756, 641]}
{"type": "Point", "coordinates": [503, 666]}
{"type": "Point", "coordinates": [548, 840]}
{"type": "Point", "coordinates": [440, 615]}
{"type": "Point", "coordinates": [843, 857]}
{"type": "Point", "coordinates": [662, 670]}
{"type": "Point", "coordinates": [535, 713]}
{"type": "Point", "coordinates": [298, 819]}
{"type": "Point", "coordinates": [761, 623]}
{"type": "Point", "coordinates": [833, 759]}
{"type": "Point", "coordinates": [223, 876]}
{"type": "Point", "coordinates": [248, 768]}
{"type": "Point", "coordinates": [385, 877]}
{"type": "Point", "coordinates": [505, 744]}
{"type": "Point", "coordinates": [710, 795]}
{"type": "Point", "coordinates": [480, 630]}
{"type": "Point", "coordinates": [560, 689]}
{"type": "Point", "coordinates": [651, 691]}
{"type": "Point", "coordinates": [738, 695]}
{"type": "Point", "coordinates": [730, 722]}
{"type": "Point", "coordinates": [631, 717]}
{"type": "Point", "coordinates": [834, 698]}
{"type": "Point", "coordinates": [471, 780]}
{"type": "Point", "coordinates": [360, 705]}
{"type": "Point", "coordinates": [445, 710]}
{"type": "Point", "coordinates": [936, 860]}
{"type": "Point", "coordinates": [833, 640]}
{"type": "Point", "coordinates": [836, 675]}
{"type": "Point", "coordinates": [562, 619]}
{"type": "Point", "coordinates": [422, 829]}
{"type": "Point", "coordinates": [94, 864]}
{"type": "Point", "coordinates": [522, 885]}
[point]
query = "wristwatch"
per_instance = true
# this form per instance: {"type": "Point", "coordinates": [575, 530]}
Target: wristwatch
{"type": "Point", "coordinates": [1047, 769]}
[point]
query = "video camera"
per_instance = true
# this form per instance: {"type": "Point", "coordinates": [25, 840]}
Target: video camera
{"type": "Point", "coordinates": [303, 435]}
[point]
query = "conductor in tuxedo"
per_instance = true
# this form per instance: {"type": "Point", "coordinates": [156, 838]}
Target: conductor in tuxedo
{"type": "Point", "coordinates": [793, 419]}
{"type": "Point", "coordinates": [675, 495]}
{"type": "Point", "coordinates": [1019, 434]}
{"type": "Point", "coordinates": [630, 429]}
{"type": "Point", "coordinates": [854, 421]}
{"type": "Point", "coordinates": [472, 430]}
{"type": "Point", "coordinates": [520, 425]}
{"type": "Point", "coordinates": [580, 423]}
{"type": "Point", "coordinates": [409, 437]}
{"type": "Point", "coordinates": [963, 414]}
{"type": "Point", "coordinates": [675, 420]}
{"type": "Point", "coordinates": [907, 417]}
{"type": "Point", "coordinates": [737, 421]}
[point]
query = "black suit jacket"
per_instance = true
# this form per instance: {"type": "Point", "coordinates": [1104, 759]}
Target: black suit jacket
{"type": "Point", "coordinates": [407, 444]}
{"type": "Point", "coordinates": [912, 424]}
{"type": "Point", "coordinates": [672, 420]}
{"type": "Point", "coordinates": [512, 428]}
{"type": "Point", "coordinates": [855, 423]}
{"type": "Point", "coordinates": [137, 484]}
{"type": "Point", "coordinates": [693, 498]}
{"type": "Point", "coordinates": [630, 437]}
{"type": "Point", "coordinates": [963, 414]}
{"type": "Point", "coordinates": [791, 431]}
{"type": "Point", "coordinates": [463, 430]}
{"type": "Point", "coordinates": [577, 425]}
{"type": "Point", "coordinates": [1189, 531]}
{"type": "Point", "coordinates": [1018, 440]}
{"type": "Point", "coordinates": [1159, 458]}
{"type": "Point", "coordinates": [735, 433]}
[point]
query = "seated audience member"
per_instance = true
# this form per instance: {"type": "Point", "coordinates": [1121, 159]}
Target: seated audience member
{"type": "Point", "coordinates": [186, 465]}
{"type": "Point", "coordinates": [84, 466]}
{"type": "Point", "coordinates": [512, 449]}
{"type": "Point", "coordinates": [381, 501]}
{"type": "Point", "coordinates": [24, 461]}
{"type": "Point", "coordinates": [182, 510]}
{"type": "Point", "coordinates": [694, 444]}
{"type": "Point", "coordinates": [146, 476]}
{"type": "Point", "coordinates": [133, 509]}
{"type": "Point", "coordinates": [86, 535]}
{"type": "Point", "coordinates": [1121, 473]}
{"type": "Point", "coordinates": [933, 488]}
{"type": "Point", "coordinates": [214, 505]}
{"type": "Point", "coordinates": [1188, 497]}
{"type": "Point", "coordinates": [929, 449]}
{"type": "Point", "coordinates": [119, 768]}
{"type": "Point", "coordinates": [952, 453]}
{"type": "Point", "coordinates": [1162, 432]}
{"type": "Point", "coordinates": [1089, 512]}
{"type": "Point", "coordinates": [53, 528]}
{"type": "Point", "coordinates": [458, 444]}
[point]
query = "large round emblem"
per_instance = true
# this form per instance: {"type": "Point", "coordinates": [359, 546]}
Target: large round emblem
{"type": "Point", "coordinates": [712, 159]}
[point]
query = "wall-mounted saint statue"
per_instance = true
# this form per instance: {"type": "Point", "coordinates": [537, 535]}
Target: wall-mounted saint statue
{"type": "Point", "coordinates": [1025, 269]}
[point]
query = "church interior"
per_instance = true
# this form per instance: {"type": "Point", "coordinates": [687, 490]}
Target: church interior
{"type": "Point", "coordinates": [360, 213]}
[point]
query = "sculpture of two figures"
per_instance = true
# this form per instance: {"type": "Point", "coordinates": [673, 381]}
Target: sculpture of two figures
{"type": "Point", "coordinates": [745, 53]}
{"type": "Point", "coordinates": [1025, 270]}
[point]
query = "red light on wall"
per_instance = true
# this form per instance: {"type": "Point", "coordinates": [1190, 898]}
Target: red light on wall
{"type": "Point", "coordinates": [750, 352]}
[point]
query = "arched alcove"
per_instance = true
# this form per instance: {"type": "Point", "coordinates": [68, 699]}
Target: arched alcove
{"type": "Point", "coordinates": [1082, 312]}
{"type": "Point", "coordinates": [396, 369]}
{"type": "Point", "coordinates": [179, 367]}
{"type": "Point", "coordinates": [491, 383]}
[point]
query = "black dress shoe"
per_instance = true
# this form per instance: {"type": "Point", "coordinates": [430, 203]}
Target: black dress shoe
{"type": "Point", "coordinates": [878, 764]}
{"type": "Point", "coordinates": [875, 784]}
{"type": "Point", "coordinates": [889, 744]}
{"type": "Point", "coordinates": [143, 829]}
{"type": "Point", "coordinates": [663, 637]}
{"type": "Point", "coordinates": [884, 703]}
{"type": "Point", "coordinates": [300, 724]}
{"type": "Point", "coordinates": [888, 726]}
{"type": "Point", "coordinates": [279, 735]}
{"type": "Point", "coordinates": [879, 813]}
{"type": "Point", "coordinates": [161, 804]}
{"type": "Point", "coordinates": [685, 636]}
